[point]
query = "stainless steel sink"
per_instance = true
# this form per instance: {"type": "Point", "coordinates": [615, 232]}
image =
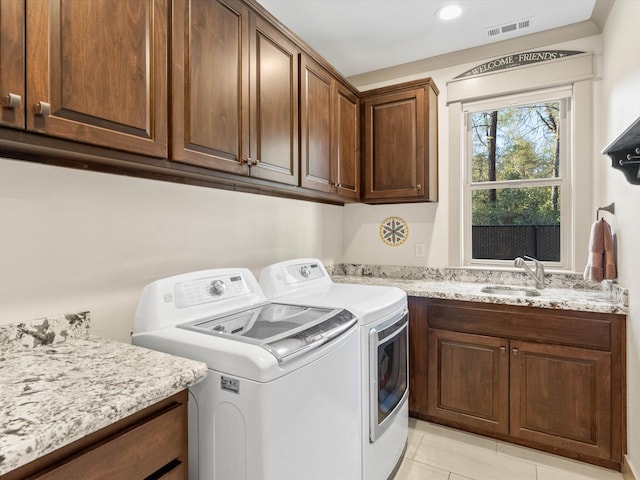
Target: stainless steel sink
{"type": "Point", "coordinates": [509, 290]}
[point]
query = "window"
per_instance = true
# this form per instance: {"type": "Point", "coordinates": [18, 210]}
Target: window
{"type": "Point", "coordinates": [516, 199]}
{"type": "Point", "coordinates": [567, 80]}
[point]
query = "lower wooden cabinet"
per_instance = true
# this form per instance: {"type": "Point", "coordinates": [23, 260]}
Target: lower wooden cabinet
{"type": "Point", "coordinates": [552, 380]}
{"type": "Point", "coordinates": [151, 444]}
{"type": "Point", "coordinates": [468, 380]}
{"type": "Point", "coordinates": [561, 397]}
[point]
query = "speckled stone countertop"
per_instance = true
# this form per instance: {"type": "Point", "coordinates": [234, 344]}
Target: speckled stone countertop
{"type": "Point", "coordinates": [562, 291]}
{"type": "Point", "coordinates": [58, 384]}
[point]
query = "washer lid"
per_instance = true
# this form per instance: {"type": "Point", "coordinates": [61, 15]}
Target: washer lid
{"type": "Point", "coordinates": [285, 331]}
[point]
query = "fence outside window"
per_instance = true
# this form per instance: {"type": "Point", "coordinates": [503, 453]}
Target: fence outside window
{"type": "Point", "coordinates": [506, 242]}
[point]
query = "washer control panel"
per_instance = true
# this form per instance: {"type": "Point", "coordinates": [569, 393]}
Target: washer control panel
{"type": "Point", "coordinates": [209, 289]}
{"type": "Point", "coordinates": [303, 272]}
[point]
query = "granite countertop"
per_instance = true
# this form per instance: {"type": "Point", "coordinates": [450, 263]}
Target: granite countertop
{"type": "Point", "coordinates": [564, 291]}
{"type": "Point", "coordinates": [58, 384]}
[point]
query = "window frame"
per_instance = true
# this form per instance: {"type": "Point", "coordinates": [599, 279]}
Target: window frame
{"type": "Point", "coordinates": [562, 94]}
{"type": "Point", "coordinates": [577, 71]}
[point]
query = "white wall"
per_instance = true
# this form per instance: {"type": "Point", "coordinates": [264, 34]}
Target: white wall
{"type": "Point", "coordinates": [620, 105]}
{"type": "Point", "coordinates": [428, 222]}
{"type": "Point", "coordinates": [72, 240]}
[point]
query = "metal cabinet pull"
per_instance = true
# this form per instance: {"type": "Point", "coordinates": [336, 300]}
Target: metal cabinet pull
{"type": "Point", "coordinates": [43, 109]}
{"type": "Point", "coordinates": [503, 349]}
{"type": "Point", "coordinates": [515, 351]}
{"type": "Point", "coordinates": [419, 187]}
{"type": "Point", "coordinates": [12, 101]}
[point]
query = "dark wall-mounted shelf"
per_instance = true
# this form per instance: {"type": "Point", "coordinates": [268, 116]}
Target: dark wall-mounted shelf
{"type": "Point", "coordinates": [625, 153]}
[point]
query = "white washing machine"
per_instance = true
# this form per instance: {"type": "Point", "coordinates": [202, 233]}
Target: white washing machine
{"type": "Point", "coordinates": [383, 319]}
{"type": "Point", "coordinates": [281, 400]}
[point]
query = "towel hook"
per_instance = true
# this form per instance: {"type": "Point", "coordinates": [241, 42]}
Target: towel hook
{"type": "Point", "coordinates": [611, 208]}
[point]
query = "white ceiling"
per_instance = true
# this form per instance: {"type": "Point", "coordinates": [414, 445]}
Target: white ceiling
{"type": "Point", "coordinates": [358, 36]}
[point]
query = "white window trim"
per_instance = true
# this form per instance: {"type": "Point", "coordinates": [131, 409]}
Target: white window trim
{"type": "Point", "coordinates": [564, 94]}
{"type": "Point", "coordinates": [576, 71]}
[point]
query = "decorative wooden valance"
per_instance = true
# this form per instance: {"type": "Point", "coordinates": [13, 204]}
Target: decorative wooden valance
{"type": "Point", "coordinates": [625, 153]}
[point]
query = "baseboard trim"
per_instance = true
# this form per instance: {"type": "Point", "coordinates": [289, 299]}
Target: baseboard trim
{"type": "Point", "coordinates": [628, 472]}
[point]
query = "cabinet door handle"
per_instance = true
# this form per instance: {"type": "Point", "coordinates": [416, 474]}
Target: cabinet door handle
{"type": "Point", "coordinates": [503, 349]}
{"type": "Point", "coordinates": [419, 187]}
{"type": "Point", "coordinates": [12, 101]}
{"type": "Point", "coordinates": [43, 109]}
{"type": "Point", "coordinates": [515, 351]}
{"type": "Point", "coordinates": [250, 161]}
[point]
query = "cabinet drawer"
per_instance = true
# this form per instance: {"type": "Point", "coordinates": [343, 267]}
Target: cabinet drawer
{"type": "Point", "coordinates": [179, 472]}
{"type": "Point", "coordinates": [144, 449]}
{"type": "Point", "coordinates": [589, 330]}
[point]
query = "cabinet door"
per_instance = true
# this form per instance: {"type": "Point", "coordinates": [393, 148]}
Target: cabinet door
{"type": "Point", "coordinates": [97, 72]}
{"type": "Point", "coordinates": [347, 142]}
{"type": "Point", "coordinates": [418, 357]}
{"type": "Point", "coordinates": [274, 104]}
{"type": "Point", "coordinates": [210, 84]}
{"type": "Point", "coordinates": [12, 63]}
{"type": "Point", "coordinates": [316, 112]}
{"type": "Point", "coordinates": [561, 397]}
{"type": "Point", "coordinates": [469, 380]}
{"type": "Point", "coordinates": [400, 145]}
{"type": "Point", "coordinates": [394, 146]}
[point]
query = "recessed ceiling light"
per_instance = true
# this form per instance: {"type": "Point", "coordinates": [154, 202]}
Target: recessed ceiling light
{"type": "Point", "coordinates": [449, 12]}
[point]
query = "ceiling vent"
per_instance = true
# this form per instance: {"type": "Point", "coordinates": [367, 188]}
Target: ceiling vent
{"type": "Point", "coordinates": [511, 27]}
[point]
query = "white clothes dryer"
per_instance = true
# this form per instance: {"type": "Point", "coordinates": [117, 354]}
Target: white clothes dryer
{"type": "Point", "coordinates": [281, 400]}
{"type": "Point", "coordinates": [383, 318]}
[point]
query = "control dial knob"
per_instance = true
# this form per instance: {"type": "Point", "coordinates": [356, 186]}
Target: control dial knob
{"type": "Point", "coordinates": [305, 271]}
{"type": "Point", "coordinates": [217, 287]}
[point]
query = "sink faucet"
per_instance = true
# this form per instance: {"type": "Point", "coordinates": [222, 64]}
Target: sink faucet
{"type": "Point", "coordinates": [538, 276]}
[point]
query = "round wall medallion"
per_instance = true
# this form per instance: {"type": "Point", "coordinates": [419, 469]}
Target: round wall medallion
{"type": "Point", "coordinates": [394, 231]}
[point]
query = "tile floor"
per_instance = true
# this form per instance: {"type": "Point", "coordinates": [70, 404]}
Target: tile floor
{"type": "Point", "coordinates": [435, 452]}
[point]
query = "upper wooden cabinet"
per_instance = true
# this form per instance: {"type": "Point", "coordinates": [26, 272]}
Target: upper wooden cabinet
{"type": "Point", "coordinates": [329, 133]}
{"type": "Point", "coordinates": [12, 63]}
{"type": "Point", "coordinates": [97, 72]}
{"type": "Point", "coordinates": [316, 112]}
{"type": "Point", "coordinates": [346, 164]}
{"type": "Point", "coordinates": [251, 106]}
{"type": "Point", "coordinates": [273, 116]}
{"type": "Point", "coordinates": [234, 91]}
{"type": "Point", "coordinates": [210, 84]}
{"type": "Point", "coordinates": [400, 145]}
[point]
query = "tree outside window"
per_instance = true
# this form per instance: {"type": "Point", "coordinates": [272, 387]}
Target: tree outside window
{"type": "Point", "coordinates": [516, 181]}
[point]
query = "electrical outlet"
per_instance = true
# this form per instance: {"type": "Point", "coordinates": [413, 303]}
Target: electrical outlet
{"type": "Point", "coordinates": [420, 250]}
